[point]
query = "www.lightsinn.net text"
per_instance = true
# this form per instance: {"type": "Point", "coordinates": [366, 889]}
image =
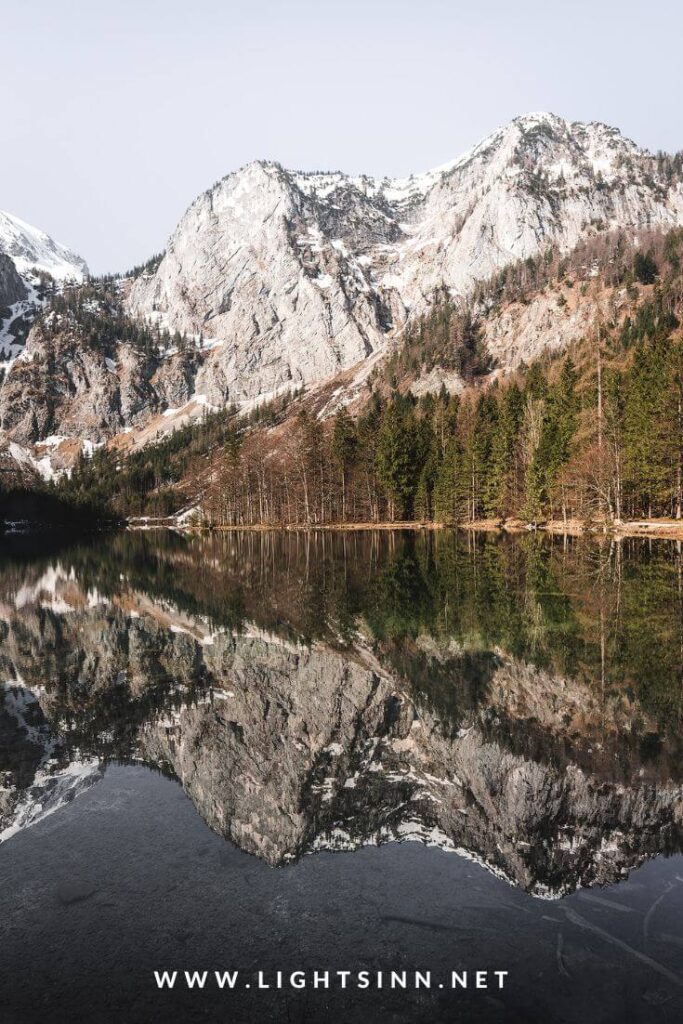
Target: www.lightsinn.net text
{"type": "Point", "coordinates": [482, 980]}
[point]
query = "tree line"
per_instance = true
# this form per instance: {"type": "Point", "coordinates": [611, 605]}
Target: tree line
{"type": "Point", "coordinates": [549, 445]}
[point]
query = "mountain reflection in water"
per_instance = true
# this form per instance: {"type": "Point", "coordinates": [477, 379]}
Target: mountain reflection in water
{"type": "Point", "coordinates": [518, 701]}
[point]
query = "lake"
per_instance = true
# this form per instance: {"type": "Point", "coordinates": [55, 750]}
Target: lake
{"type": "Point", "coordinates": [382, 752]}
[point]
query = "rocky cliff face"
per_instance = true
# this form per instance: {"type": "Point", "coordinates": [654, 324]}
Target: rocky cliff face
{"type": "Point", "coordinates": [300, 275]}
{"type": "Point", "coordinates": [61, 386]}
{"type": "Point", "coordinates": [521, 333]}
{"type": "Point", "coordinates": [288, 748]}
{"type": "Point", "coordinates": [251, 267]}
{"type": "Point", "coordinates": [12, 288]}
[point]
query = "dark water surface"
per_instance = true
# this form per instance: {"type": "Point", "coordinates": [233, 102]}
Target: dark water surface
{"type": "Point", "coordinates": [341, 752]}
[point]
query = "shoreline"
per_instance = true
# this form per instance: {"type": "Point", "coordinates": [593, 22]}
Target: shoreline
{"type": "Point", "coordinates": [171, 524]}
{"type": "Point", "coordinates": [665, 529]}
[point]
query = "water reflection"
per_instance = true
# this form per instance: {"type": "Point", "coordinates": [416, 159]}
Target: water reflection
{"type": "Point", "coordinates": [516, 700]}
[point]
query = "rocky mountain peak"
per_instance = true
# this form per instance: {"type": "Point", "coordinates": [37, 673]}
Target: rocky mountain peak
{"type": "Point", "coordinates": [28, 259]}
{"type": "Point", "coordinates": [33, 250]}
{"type": "Point", "coordinates": [281, 279]}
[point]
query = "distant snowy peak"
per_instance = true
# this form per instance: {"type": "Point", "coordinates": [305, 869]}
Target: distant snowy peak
{"type": "Point", "coordinates": [32, 249]}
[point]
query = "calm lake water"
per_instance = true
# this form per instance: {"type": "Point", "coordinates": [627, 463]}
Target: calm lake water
{"type": "Point", "coordinates": [341, 752]}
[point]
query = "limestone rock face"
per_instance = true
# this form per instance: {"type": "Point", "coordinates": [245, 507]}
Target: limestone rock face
{"type": "Point", "coordinates": [261, 266]}
{"type": "Point", "coordinates": [12, 288]}
{"type": "Point", "coordinates": [62, 387]}
{"type": "Point", "coordinates": [520, 333]}
{"type": "Point", "coordinates": [296, 276]}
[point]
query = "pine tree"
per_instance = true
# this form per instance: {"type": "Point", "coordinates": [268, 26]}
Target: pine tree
{"type": "Point", "coordinates": [427, 457]}
{"type": "Point", "coordinates": [396, 459]}
{"type": "Point", "coordinates": [504, 465]}
{"type": "Point", "coordinates": [344, 447]}
{"type": "Point", "coordinates": [367, 429]}
{"type": "Point", "coordinates": [646, 429]}
{"type": "Point", "coordinates": [479, 456]}
{"type": "Point", "coordinates": [449, 504]}
{"type": "Point", "coordinates": [554, 446]}
{"type": "Point", "coordinates": [645, 269]}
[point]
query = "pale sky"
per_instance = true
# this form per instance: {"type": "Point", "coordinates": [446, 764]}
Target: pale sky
{"type": "Point", "coordinates": [115, 115]}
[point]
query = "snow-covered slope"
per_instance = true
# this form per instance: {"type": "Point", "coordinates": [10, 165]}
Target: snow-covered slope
{"type": "Point", "coordinates": [26, 254]}
{"type": "Point", "coordinates": [298, 275]}
{"type": "Point", "coordinates": [31, 249]}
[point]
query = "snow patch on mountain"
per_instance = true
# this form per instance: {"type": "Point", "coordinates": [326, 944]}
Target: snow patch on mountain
{"type": "Point", "coordinates": [32, 249]}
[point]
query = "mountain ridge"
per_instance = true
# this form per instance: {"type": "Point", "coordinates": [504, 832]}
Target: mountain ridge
{"type": "Point", "coordinates": [377, 248]}
{"type": "Point", "coordinates": [278, 280]}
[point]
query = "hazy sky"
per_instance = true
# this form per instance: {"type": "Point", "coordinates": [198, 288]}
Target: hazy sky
{"type": "Point", "coordinates": [116, 114]}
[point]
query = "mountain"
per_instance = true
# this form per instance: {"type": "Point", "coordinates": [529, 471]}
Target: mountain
{"type": "Point", "coordinates": [28, 259]}
{"type": "Point", "coordinates": [32, 250]}
{"type": "Point", "coordinates": [276, 280]}
{"type": "Point", "coordinates": [297, 276]}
